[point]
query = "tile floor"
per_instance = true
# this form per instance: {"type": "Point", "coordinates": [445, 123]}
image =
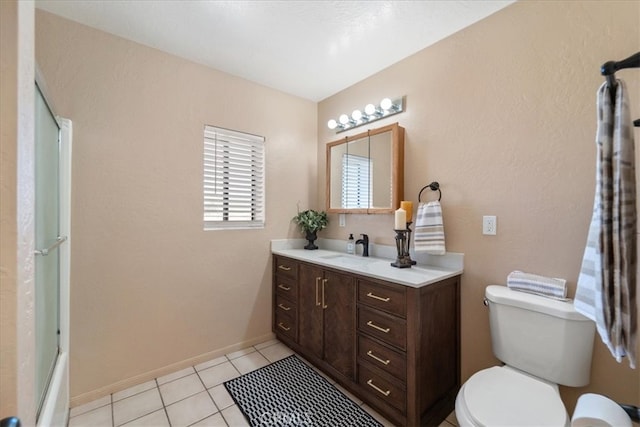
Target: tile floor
{"type": "Point", "coordinates": [194, 396]}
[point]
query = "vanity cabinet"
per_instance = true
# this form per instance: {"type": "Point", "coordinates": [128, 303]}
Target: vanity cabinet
{"type": "Point", "coordinates": [408, 350]}
{"type": "Point", "coordinates": [396, 347]}
{"type": "Point", "coordinates": [326, 317]}
{"type": "Point", "coordinates": [285, 297]}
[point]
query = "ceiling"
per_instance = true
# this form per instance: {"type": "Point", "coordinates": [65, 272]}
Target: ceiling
{"type": "Point", "coordinates": [308, 48]}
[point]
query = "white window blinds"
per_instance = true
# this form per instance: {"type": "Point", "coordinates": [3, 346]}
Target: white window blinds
{"type": "Point", "coordinates": [356, 185]}
{"type": "Point", "coordinates": [233, 179]}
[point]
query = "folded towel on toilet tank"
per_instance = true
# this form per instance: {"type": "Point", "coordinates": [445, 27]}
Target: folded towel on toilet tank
{"type": "Point", "coordinates": [539, 285]}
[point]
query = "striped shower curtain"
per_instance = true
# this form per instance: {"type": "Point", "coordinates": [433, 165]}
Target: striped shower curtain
{"type": "Point", "coordinates": [606, 291]}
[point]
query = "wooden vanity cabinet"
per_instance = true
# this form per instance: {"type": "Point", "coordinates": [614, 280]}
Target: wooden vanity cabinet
{"type": "Point", "coordinates": [326, 319]}
{"type": "Point", "coordinates": [285, 297]}
{"type": "Point", "coordinates": [409, 349]}
{"type": "Point", "coordinates": [396, 347]}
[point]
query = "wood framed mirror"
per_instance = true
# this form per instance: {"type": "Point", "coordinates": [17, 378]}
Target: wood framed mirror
{"type": "Point", "coordinates": [365, 172]}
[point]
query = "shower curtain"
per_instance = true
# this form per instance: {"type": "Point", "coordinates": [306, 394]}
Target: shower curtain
{"type": "Point", "coordinates": [606, 291]}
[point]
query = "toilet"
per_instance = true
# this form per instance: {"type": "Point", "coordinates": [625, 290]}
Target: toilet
{"type": "Point", "coordinates": [543, 342]}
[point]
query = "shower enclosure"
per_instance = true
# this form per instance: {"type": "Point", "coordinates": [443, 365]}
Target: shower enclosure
{"type": "Point", "coordinates": [52, 191]}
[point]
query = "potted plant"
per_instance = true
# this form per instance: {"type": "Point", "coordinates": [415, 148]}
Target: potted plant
{"type": "Point", "coordinates": [310, 222]}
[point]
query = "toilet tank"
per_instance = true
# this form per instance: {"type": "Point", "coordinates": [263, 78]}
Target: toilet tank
{"type": "Point", "coordinates": [544, 337]}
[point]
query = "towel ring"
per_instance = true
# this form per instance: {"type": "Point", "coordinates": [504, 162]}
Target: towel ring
{"type": "Point", "coordinates": [433, 186]}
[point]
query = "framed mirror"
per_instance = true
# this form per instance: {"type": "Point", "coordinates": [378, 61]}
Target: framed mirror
{"type": "Point", "coordinates": [365, 172]}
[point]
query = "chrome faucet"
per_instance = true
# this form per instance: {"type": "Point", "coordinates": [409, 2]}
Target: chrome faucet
{"type": "Point", "coordinates": [365, 244]}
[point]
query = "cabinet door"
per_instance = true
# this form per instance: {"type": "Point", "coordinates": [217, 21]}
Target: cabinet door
{"type": "Point", "coordinates": [310, 309]}
{"type": "Point", "coordinates": [339, 322]}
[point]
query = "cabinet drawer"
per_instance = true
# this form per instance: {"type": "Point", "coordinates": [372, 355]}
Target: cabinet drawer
{"type": "Point", "coordinates": [382, 388]}
{"type": "Point", "coordinates": [286, 325]}
{"type": "Point", "coordinates": [286, 287]}
{"type": "Point", "coordinates": [387, 298]}
{"type": "Point", "coordinates": [286, 307]}
{"type": "Point", "coordinates": [285, 267]}
{"type": "Point", "coordinates": [389, 329]}
{"type": "Point", "coordinates": [392, 362]}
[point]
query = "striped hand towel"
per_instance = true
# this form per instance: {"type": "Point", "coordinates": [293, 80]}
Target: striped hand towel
{"type": "Point", "coordinates": [539, 285]}
{"type": "Point", "coordinates": [429, 234]}
{"type": "Point", "coordinates": [606, 291]}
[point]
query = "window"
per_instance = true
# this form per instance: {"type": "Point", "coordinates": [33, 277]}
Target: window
{"type": "Point", "coordinates": [233, 179]}
{"type": "Point", "coordinates": [356, 185]}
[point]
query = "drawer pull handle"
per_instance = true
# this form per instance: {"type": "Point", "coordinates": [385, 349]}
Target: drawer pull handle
{"type": "Point", "coordinates": [284, 307]}
{"type": "Point", "coordinates": [283, 327]}
{"type": "Point", "coordinates": [374, 326]}
{"type": "Point", "coordinates": [370, 295]}
{"type": "Point", "coordinates": [283, 287]}
{"type": "Point", "coordinates": [284, 267]}
{"type": "Point", "coordinates": [378, 389]}
{"type": "Point", "coordinates": [373, 356]}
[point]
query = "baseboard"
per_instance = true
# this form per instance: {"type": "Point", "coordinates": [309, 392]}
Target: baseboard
{"type": "Point", "coordinates": [90, 396]}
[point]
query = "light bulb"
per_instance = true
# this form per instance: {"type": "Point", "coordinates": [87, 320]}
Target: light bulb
{"type": "Point", "coordinates": [332, 124]}
{"type": "Point", "coordinates": [356, 115]}
{"type": "Point", "coordinates": [386, 104]}
{"type": "Point", "coordinates": [344, 119]}
{"type": "Point", "coordinates": [370, 109]}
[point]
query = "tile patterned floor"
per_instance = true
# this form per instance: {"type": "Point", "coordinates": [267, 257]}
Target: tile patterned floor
{"type": "Point", "coordinates": [194, 396]}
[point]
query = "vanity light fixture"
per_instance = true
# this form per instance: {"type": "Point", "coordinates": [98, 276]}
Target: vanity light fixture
{"type": "Point", "coordinates": [346, 120]}
{"type": "Point", "coordinates": [386, 108]}
{"type": "Point", "coordinates": [372, 110]}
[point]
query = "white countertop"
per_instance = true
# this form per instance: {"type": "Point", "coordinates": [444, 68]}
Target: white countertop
{"type": "Point", "coordinates": [378, 268]}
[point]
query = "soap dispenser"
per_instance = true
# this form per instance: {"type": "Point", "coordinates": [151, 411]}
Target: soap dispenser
{"type": "Point", "coordinates": [351, 245]}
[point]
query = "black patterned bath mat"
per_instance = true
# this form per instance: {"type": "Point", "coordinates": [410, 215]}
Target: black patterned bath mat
{"type": "Point", "coordinates": [290, 393]}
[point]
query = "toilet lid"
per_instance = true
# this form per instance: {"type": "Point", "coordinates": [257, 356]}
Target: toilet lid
{"type": "Point", "coordinates": [504, 397]}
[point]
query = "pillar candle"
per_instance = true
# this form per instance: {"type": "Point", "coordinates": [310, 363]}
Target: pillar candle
{"type": "Point", "coordinates": [408, 207]}
{"type": "Point", "coordinates": [401, 220]}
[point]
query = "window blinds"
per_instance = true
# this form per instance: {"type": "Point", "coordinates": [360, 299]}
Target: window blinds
{"type": "Point", "coordinates": [233, 179]}
{"type": "Point", "coordinates": [356, 185]}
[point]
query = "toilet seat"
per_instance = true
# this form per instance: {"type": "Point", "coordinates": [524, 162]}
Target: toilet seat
{"type": "Point", "coordinates": [503, 396]}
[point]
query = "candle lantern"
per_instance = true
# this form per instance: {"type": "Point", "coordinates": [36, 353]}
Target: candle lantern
{"type": "Point", "coordinates": [402, 222]}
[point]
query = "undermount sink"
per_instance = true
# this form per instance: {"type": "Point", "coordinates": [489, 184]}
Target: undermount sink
{"type": "Point", "coordinates": [349, 259]}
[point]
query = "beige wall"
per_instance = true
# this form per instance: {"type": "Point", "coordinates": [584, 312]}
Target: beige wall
{"type": "Point", "coordinates": [8, 220]}
{"type": "Point", "coordinates": [502, 114]}
{"type": "Point", "coordinates": [150, 290]}
{"type": "Point", "coordinates": [17, 343]}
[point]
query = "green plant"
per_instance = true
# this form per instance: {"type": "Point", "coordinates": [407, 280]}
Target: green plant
{"type": "Point", "coordinates": [311, 221]}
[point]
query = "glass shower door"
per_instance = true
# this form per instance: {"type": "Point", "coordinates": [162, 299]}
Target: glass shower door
{"type": "Point", "coordinates": [47, 241]}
